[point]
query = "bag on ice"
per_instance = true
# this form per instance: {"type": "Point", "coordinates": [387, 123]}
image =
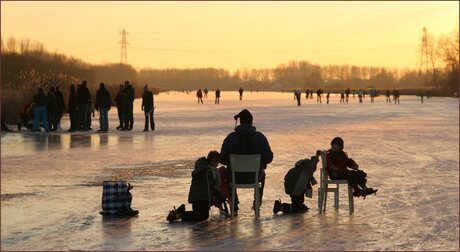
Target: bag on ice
{"type": "Point", "coordinates": [116, 199]}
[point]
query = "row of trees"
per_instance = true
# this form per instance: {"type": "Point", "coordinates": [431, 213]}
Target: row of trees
{"type": "Point", "coordinates": [27, 65]}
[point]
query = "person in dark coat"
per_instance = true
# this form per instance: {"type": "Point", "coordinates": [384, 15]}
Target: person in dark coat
{"type": "Point", "coordinates": [217, 100]}
{"type": "Point", "coordinates": [52, 108]}
{"type": "Point", "coordinates": [298, 182]}
{"type": "Point", "coordinates": [337, 166]}
{"type": "Point", "coordinates": [148, 108]}
{"type": "Point", "coordinates": [245, 140]}
{"type": "Point", "coordinates": [103, 103]}
{"type": "Point", "coordinates": [60, 106]}
{"type": "Point", "coordinates": [40, 113]}
{"type": "Point", "coordinates": [199, 94]}
{"type": "Point", "coordinates": [202, 191]}
{"type": "Point", "coordinates": [128, 100]}
{"type": "Point", "coordinates": [119, 101]}
{"type": "Point", "coordinates": [83, 102]}
{"type": "Point", "coordinates": [241, 93]}
{"type": "Point", "coordinates": [73, 109]}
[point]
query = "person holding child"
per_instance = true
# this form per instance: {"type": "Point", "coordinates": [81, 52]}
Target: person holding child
{"type": "Point", "coordinates": [203, 191]}
{"type": "Point", "coordinates": [337, 166]}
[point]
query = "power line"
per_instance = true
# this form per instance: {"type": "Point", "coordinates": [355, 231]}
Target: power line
{"type": "Point", "coordinates": [272, 51]}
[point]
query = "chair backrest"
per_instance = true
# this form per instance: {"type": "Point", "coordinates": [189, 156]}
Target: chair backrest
{"type": "Point", "coordinates": [245, 166]}
{"type": "Point", "coordinates": [323, 175]}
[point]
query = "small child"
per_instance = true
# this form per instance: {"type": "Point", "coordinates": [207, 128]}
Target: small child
{"type": "Point", "coordinates": [337, 166]}
{"type": "Point", "coordinates": [297, 183]}
{"type": "Point", "coordinates": [202, 191]}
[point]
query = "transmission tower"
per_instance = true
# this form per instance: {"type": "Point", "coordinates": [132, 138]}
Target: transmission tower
{"type": "Point", "coordinates": [123, 42]}
{"type": "Point", "coordinates": [424, 61]}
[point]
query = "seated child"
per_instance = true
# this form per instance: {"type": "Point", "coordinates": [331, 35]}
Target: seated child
{"type": "Point", "coordinates": [297, 182]}
{"type": "Point", "coordinates": [202, 191]}
{"type": "Point", "coordinates": [338, 163]}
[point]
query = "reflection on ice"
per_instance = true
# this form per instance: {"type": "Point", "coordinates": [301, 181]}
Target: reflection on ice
{"type": "Point", "coordinates": [51, 184]}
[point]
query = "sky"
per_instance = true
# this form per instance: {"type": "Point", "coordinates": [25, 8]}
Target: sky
{"type": "Point", "coordinates": [232, 35]}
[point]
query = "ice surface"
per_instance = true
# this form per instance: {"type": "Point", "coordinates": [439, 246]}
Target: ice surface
{"type": "Point", "coordinates": [51, 184]}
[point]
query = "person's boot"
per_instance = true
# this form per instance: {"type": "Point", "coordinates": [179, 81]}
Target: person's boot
{"type": "Point", "coordinates": [358, 192]}
{"type": "Point", "coordinates": [175, 214]}
{"type": "Point", "coordinates": [369, 191]}
{"type": "Point", "coordinates": [278, 206]}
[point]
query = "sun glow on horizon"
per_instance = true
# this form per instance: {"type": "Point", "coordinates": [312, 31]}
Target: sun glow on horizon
{"type": "Point", "coordinates": [231, 35]}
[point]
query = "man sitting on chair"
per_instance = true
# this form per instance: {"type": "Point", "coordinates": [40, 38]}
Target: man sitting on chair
{"type": "Point", "coordinates": [245, 140]}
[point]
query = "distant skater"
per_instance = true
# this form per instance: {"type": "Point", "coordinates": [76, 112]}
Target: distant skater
{"type": "Point", "coordinates": [421, 97]}
{"type": "Point", "coordinates": [217, 100]}
{"type": "Point", "coordinates": [241, 93]}
{"type": "Point", "coordinates": [360, 96]}
{"type": "Point", "coordinates": [199, 94]}
{"type": "Point", "coordinates": [347, 93]}
{"type": "Point", "coordinates": [387, 95]}
{"type": "Point", "coordinates": [205, 91]}
{"type": "Point", "coordinates": [342, 97]}
{"type": "Point", "coordinates": [327, 97]}
{"type": "Point", "coordinates": [297, 95]}
{"type": "Point", "coordinates": [319, 92]}
{"type": "Point", "coordinates": [40, 113]}
{"type": "Point", "coordinates": [119, 100]}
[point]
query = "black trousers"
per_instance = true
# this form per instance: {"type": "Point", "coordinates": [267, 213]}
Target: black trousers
{"type": "Point", "coordinates": [152, 123]}
{"type": "Point", "coordinates": [295, 206]}
{"type": "Point", "coordinates": [354, 178]}
{"type": "Point", "coordinates": [200, 212]}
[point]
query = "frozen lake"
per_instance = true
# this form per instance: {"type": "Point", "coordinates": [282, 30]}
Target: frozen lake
{"type": "Point", "coordinates": [51, 185]}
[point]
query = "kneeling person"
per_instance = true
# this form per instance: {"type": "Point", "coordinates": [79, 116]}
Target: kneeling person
{"type": "Point", "coordinates": [297, 183]}
{"type": "Point", "coordinates": [202, 190]}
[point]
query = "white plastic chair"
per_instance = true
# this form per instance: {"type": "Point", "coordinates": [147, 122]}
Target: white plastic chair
{"type": "Point", "coordinates": [324, 189]}
{"type": "Point", "coordinates": [246, 163]}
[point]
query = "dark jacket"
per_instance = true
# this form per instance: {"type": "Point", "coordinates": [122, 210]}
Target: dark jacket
{"type": "Point", "coordinates": [40, 99]}
{"type": "Point", "coordinates": [72, 102]}
{"type": "Point", "coordinates": [103, 98]}
{"type": "Point", "coordinates": [51, 104]}
{"type": "Point", "coordinates": [292, 176]}
{"type": "Point", "coordinates": [147, 101]}
{"type": "Point", "coordinates": [246, 140]}
{"type": "Point", "coordinates": [83, 95]}
{"type": "Point", "coordinates": [119, 99]}
{"type": "Point", "coordinates": [202, 185]}
{"type": "Point", "coordinates": [128, 95]}
{"type": "Point", "coordinates": [341, 160]}
{"type": "Point", "coordinates": [60, 102]}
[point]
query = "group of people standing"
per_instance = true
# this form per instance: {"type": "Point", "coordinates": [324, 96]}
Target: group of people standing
{"type": "Point", "coordinates": [48, 109]}
{"type": "Point", "coordinates": [210, 186]}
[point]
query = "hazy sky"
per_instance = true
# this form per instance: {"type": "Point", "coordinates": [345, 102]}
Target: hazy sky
{"type": "Point", "coordinates": [232, 35]}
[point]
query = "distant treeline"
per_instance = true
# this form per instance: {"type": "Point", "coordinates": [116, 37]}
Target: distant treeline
{"type": "Point", "coordinates": [26, 65]}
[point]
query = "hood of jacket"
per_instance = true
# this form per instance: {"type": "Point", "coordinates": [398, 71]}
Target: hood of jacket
{"type": "Point", "coordinates": [245, 130]}
{"type": "Point", "coordinates": [201, 164]}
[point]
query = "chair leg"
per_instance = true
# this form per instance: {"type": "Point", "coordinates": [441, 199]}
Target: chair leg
{"type": "Point", "coordinates": [319, 200]}
{"type": "Point", "coordinates": [336, 198]}
{"type": "Point", "coordinates": [257, 201]}
{"type": "Point", "coordinates": [350, 200]}
{"type": "Point", "coordinates": [233, 205]}
{"type": "Point", "coordinates": [325, 198]}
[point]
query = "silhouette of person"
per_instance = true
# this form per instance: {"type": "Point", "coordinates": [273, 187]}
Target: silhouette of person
{"type": "Point", "coordinates": [148, 108]}
{"type": "Point", "coordinates": [217, 100]}
{"type": "Point", "coordinates": [119, 100]}
{"type": "Point", "coordinates": [103, 103]}
{"type": "Point", "coordinates": [73, 109]}
{"type": "Point", "coordinates": [40, 113]}
{"type": "Point", "coordinates": [199, 94]}
{"type": "Point", "coordinates": [241, 93]}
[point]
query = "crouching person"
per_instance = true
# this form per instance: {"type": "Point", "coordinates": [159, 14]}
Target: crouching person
{"type": "Point", "coordinates": [297, 183]}
{"type": "Point", "coordinates": [337, 166]}
{"type": "Point", "coordinates": [202, 191]}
